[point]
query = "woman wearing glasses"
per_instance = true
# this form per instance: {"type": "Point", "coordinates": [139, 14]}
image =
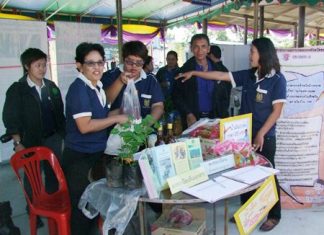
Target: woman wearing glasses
{"type": "Point", "coordinates": [150, 95]}
{"type": "Point", "coordinates": [86, 127]}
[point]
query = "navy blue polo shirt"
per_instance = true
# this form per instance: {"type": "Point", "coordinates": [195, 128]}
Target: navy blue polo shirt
{"type": "Point", "coordinates": [259, 95]}
{"type": "Point", "coordinates": [169, 77]}
{"type": "Point", "coordinates": [205, 90]}
{"type": "Point", "coordinates": [148, 89]}
{"type": "Point", "coordinates": [83, 100]}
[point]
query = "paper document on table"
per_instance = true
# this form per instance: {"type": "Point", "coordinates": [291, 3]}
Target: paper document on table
{"type": "Point", "coordinates": [215, 189]}
{"type": "Point", "coordinates": [250, 174]}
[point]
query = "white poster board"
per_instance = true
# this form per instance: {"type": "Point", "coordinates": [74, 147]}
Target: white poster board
{"type": "Point", "coordinates": [68, 37]}
{"type": "Point", "coordinates": [300, 133]}
{"type": "Point", "coordinates": [237, 128]}
{"type": "Point", "coordinates": [15, 37]}
{"type": "Point", "coordinates": [235, 57]}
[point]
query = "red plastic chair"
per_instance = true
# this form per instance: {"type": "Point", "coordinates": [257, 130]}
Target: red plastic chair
{"type": "Point", "coordinates": [56, 206]}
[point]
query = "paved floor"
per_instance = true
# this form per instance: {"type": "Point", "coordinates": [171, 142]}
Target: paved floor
{"type": "Point", "coordinates": [294, 222]}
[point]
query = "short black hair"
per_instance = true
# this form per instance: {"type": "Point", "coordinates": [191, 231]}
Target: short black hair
{"type": "Point", "coordinates": [175, 54]}
{"type": "Point", "coordinates": [216, 51]}
{"type": "Point", "coordinates": [31, 55]}
{"type": "Point", "coordinates": [147, 61]}
{"type": "Point", "coordinates": [84, 48]}
{"type": "Point", "coordinates": [198, 37]}
{"type": "Point", "coordinates": [135, 48]}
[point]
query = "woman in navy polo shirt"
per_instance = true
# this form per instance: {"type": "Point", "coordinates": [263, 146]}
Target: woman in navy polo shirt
{"type": "Point", "coordinates": [150, 95]}
{"type": "Point", "coordinates": [86, 127]}
{"type": "Point", "coordinates": [263, 95]}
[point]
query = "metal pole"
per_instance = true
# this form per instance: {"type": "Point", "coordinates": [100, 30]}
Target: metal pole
{"type": "Point", "coordinates": [318, 36]}
{"type": "Point", "coordinates": [301, 26]}
{"type": "Point", "coordinates": [119, 28]}
{"type": "Point", "coordinates": [256, 13]}
{"type": "Point", "coordinates": [205, 24]}
{"type": "Point", "coordinates": [246, 28]}
{"type": "Point", "coordinates": [295, 35]}
{"type": "Point", "coordinates": [164, 54]}
{"type": "Point", "coordinates": [164, 33]}
{"type": "Point", "coordinates": [261, 21]}
{"type": "Point", "coordinates": [225, 217]}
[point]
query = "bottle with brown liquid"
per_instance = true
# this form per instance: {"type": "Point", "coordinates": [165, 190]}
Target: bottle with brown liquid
{"type": "Point", "coordinates": [160, 139]}
{"type": "Point", "coordinates": [169, 137]}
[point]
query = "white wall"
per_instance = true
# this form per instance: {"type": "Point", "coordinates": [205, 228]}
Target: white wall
{"type": "Point", "coordinates": [68, 36]}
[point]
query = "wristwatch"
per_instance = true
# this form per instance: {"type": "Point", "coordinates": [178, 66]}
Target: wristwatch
{"type": "Point", "coordinates": [16, 143]}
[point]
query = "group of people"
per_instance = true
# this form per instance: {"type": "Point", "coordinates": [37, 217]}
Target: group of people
{"type": "Point", "coordinates": [33, 112]}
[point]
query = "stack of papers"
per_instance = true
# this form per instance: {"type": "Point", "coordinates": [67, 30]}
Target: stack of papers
{"type": "Point", "coordinates": [251, 174]}
{"type": "Point", "coordinates": [215, 189]}
{"type": "Point", "coordinates": [230, 182]}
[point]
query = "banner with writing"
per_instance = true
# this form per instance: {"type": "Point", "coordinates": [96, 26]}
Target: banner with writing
{"type": "Point", "coordinates": [300, 133]}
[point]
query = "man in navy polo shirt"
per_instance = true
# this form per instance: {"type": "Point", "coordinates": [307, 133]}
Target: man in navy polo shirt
{"type": "Point", "coordinates": [199, 98]}
{"type": "Point", "coordinates": [151, 98]}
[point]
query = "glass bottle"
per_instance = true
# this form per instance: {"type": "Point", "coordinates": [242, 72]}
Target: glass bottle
{"type": "Point", "coordinates": [169, 137]}
{"type": "Point", "coordinates": [159, 140]}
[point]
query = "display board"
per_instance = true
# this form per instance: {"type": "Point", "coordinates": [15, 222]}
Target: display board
{"type": "Point", "coordinates": [257, 207]}
{"type": "Point", "coordinates": [15, 37]}
{"type": "Point", "coordinates": [68, 36]}
{"type": "Point", "coordinates": [237, 128]}
{"type": "Point", "coordinates": [300, 133]}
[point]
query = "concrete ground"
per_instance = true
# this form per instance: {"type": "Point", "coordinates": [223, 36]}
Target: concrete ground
{"type": "Point", "coordinates": [294, 222]}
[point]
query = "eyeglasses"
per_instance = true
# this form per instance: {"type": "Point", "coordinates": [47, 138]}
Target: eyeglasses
{"type": "Point", "coordinates": [137, 63]}
{"type": "Point", "coordinates": [93, 64]}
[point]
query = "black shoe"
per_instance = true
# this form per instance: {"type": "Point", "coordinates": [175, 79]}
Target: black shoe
{"type": "Point", "coordinates": [269, 224]}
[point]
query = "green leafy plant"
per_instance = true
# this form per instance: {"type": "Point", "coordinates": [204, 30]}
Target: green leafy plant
{"type": "Point", "coordinates": [134, 135]}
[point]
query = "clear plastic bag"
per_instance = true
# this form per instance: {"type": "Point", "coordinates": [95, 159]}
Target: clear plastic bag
{"type": "Point", "coordinates": [130, 104]}
{"type": "Point", "coordinates": [116, 205]}
{"type": "Point", "coordinates": [114, 144]}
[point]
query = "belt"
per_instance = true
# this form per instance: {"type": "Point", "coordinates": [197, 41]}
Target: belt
{"type": "Point", "coordinates": [204, 114]}
{"type": "Point", "coordinates": [48, 134]}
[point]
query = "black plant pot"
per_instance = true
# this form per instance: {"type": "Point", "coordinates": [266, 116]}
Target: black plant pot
{"type": "Point", "coordinates": [132, 175]}
{"type": "Point", "coordinates": [114, 171]}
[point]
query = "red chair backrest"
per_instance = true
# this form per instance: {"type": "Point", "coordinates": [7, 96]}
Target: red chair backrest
{"type": "Point", "coordinates": [30, 161]}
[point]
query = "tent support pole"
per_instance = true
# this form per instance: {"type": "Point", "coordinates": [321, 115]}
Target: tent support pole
{"type": "Point", "coordinates": [256, 18]}
{"type": "Point", "coordinates": [261, 21]}
{"type": "Point", "coordinates": [119, 28]}
{"type": "Point", "coordinates": [246, 28]}
{"type": "Point", "coordinates": [205, 25]}
{"type": "Point", "coordinates": [301, 26]}
{"type": "Point", "coordinates": [295, 35]}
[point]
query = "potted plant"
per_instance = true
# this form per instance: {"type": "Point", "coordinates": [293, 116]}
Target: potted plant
{"type": "Point", "coordinates": [134, 138]}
